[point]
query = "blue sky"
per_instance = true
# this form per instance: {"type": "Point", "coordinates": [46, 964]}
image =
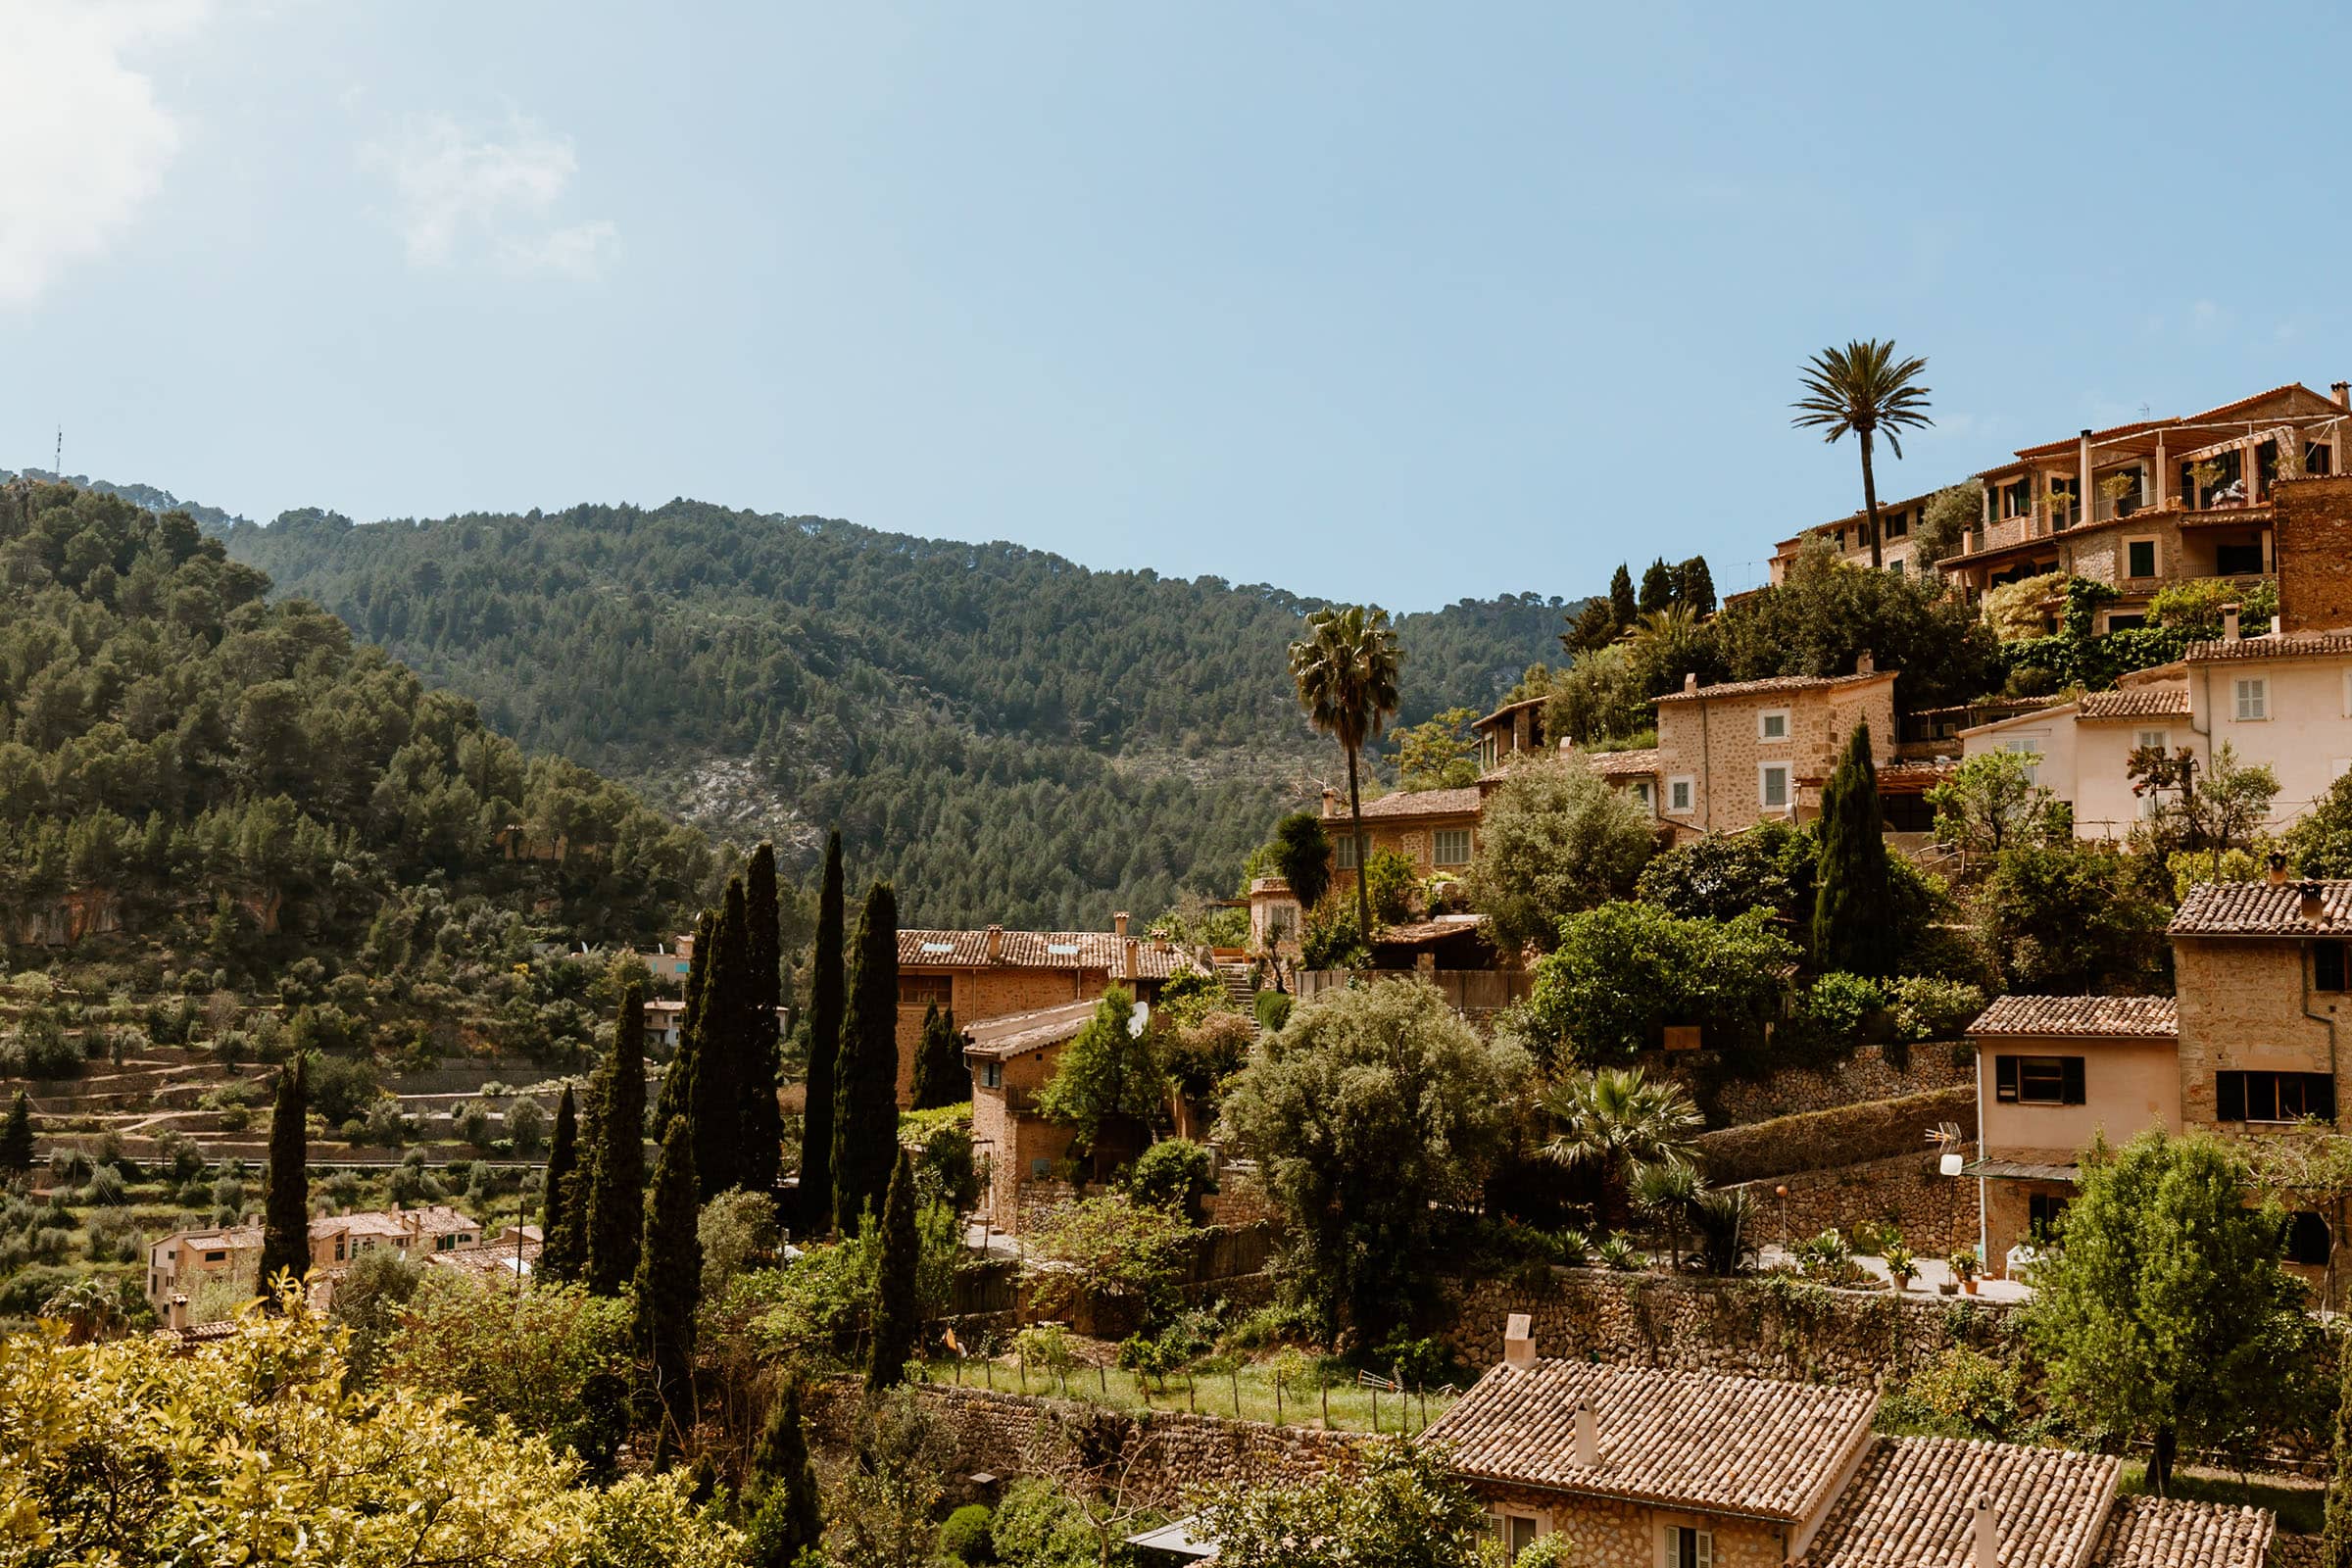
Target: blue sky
{"type": "Point", "coordinates": [1382, 302]}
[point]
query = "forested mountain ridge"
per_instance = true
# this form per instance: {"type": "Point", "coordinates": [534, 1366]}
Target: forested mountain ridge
{"type": "Point", "coordinates": [1010, 736]}
{"type": "Point", "coordinates": [183, 759]}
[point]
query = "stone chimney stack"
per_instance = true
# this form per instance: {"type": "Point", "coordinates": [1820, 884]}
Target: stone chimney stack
{"type": "Point", "coordinates": [175, 1313]}
{"type": "Point", "coordinates": [1690, 680]}
{"type": "Point", "coordinates": [1331, 800]}
{"type": "Point", "coordinates": [1128, 946]}
{"type": "Point", "coordinates": [996, 944]}
{"type": "Point", "coordinates": [1118, 923]}
{"type": "Point", "coordinates": [2229, 614]}
{"type": "Point", "coordinates": [1865, 665]}
{"type": "Point", "coordinates": [1588, 1436]}
{"type": "Point", "coordinates": [1987, 1535]}
{"type": "Point", "coordinates": [1518, 1341]}
{"type": "Point", "coordinates": [2277, 869]}
{"type": "Point", "coordinates": [2343, 394]}
{"type": "Point", "coordinates": [2311, 908]}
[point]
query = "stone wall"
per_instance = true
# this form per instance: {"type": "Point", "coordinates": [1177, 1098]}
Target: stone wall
{"type": "Point", "coordinates": [1865, 1075]}
{"type": "Point", "coordinates": [1935, 1212]}
{"type": "Point", "coordinates": [2314, 548]}
{"type": "Point", "coordinates": [1771, 1327]}
{"type": "Point", "coordinates": [1162, 1453]}
{"type": "Point", "coordinates": [1820, 1140]}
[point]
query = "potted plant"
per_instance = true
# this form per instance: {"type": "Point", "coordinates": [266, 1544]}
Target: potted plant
{"type": "Point", "coordinates": [1900, 1262]}
{"type": "Point", "coordinates": [2115, 487]}
{"type": "Point", "coordinates": [2206, 475]}
{"type": "Point", "coordinates": [1964, 1266]}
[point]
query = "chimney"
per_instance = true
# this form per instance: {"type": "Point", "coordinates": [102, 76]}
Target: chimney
{"type": "Point", "coordinates": [175, 1313]}
{"type": "Point", "coordinates": [1987, 1536]}
{"type": "Point", "coordinates": [1331, 800]}
{"type": "Point", "coordinates": [2229, 623]}
{"type": "Point", "coordinates": [1128, 946]}
{"type": "Point", "coordinates": [2278, 874]}
{"type": "Point", "coordinates": [2310, 907]}
{"type": "Point", "coordinates": [1691, 681]}
{"type": "Point", "coordinates": [1588, 1436]}
{"type": "Point", "coordinates": [1518, 1341]}
{"type": "Point", "coordinates": [2343, 394]}
{"type": "Point", "coordinates": [996, 944]}
{"type": "Point", "coordinates": [1865, 665]}
{"type": "Point", "coordinates": [1118, 923]}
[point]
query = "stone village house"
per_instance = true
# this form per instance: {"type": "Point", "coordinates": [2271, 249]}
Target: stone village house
{"type": "Point", "coordinates": [185, 1261]}
{"type": "Point", "coordinates": [1647, 1468]}
{"type": "Point", "coordinates": [2249, 1050]}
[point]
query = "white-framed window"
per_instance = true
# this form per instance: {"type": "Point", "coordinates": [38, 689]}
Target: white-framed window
{"type": "Point", "coordinates": [1451, 845]}
{"type": "Point", "coordinates": [1681, 791]}
{"type": "Point", "coordinates": [2030, 748]}
{"type": "Point", "coordinates": [2161, 739]}
{"type": "Point", "coordinates": [2253, 698]}
{"type": "Point", "coordinates": [1517, 1531]}
{"type": "Point", "coordinates": [2139, 557]}
{"type": "Point", "coordinates": [1772, 724]}
{"type": "Point", "coordinates": [1772, 786]}
{"type": "Point", "coordinates": [1685, 1546]}
{"type": "Point", "coordinates": [1343, 851]}
{"type": "Point", "coordinates": [991, 1075]}
{"type": "Point", "coordinates": [1646, 792]}
{"type": "Point", "coordinates": [1896, 565]}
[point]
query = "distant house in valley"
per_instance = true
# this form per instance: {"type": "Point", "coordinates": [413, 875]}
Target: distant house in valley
{"type": "Point", "coordinates": [1647, 1468]}
{"type": "Point", "coordinates": [671, 961]}
{"type": "Point", "coordinates": [185, 1261]}
{"type": "Point", "coordinates": [1011, 1059]}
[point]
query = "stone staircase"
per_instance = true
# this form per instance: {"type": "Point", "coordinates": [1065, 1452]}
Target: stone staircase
{"type": "Point", "coordinates": [1238, 986]}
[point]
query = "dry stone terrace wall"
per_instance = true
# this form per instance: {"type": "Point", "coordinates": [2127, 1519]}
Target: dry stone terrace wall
{"type": "Point", "coordinates": [1749, 1327]}
{"type": "Point", "coordinates": [1866, 1074]}
{"type": "Point", "coordinates": [1820, 1140]}
{"type": "Point", "coordinates": [1164, 1454]}
{"type": "Point", "coordinates": [1935, 1212]}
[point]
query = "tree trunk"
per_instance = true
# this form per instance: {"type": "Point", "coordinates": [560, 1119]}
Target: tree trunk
{"type": "Point", "coordinates": [2160, 1460]}
{"type": "Point", "coordinates": [1364, 891]}
{"type": "Point", "coordinates": [1870, 502]}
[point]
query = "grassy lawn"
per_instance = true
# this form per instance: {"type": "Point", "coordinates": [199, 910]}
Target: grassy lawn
{"type": "Point", "coordinates": [1212, 1393]}
{"type": "Point", "coordinates": [2301, 1506]}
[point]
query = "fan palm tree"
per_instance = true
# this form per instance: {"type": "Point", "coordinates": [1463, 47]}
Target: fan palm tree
{"type": "Point", "coordinates": [1615, 1120]}
{"type": "Point", "coordinates": [1864, 388]}
{"type": "Point", "coordinates": [1667, 1194]}
{"type": "Point", "coordinates": [1345, 671]}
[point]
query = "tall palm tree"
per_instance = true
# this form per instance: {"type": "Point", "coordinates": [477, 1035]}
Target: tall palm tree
{"type": "Point", "coordinates": [1616, 1121]}
{"type": "Point", "coordinates": [1345, 671]}
{"type": "Point", "coordinates": [1864, 388]}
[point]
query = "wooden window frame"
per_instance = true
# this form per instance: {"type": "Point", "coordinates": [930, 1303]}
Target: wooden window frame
{"type": "Point", "coordinates": [2010, 1071]}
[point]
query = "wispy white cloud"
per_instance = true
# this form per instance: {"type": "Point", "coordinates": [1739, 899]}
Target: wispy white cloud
{"type": "Point", "coordinates": [456, 194]}
{"type": "Point", "coordinates": [84, 138]}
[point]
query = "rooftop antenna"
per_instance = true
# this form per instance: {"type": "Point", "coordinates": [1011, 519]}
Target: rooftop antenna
{"type": "Point", "coordinates": [59, 457]}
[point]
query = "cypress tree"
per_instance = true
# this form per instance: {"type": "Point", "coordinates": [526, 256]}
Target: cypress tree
{"type": "Point", "coordinates": [825, 1004]}
{"type": "Point", "coordinates": [2335, 1545]}
{"type": "Point", "coordinates": [286, 1203]}
{"type": "Point", "coordinates": [678, 1080]}
{"type": "Point", "coordinates": [668, 1283]}
{"type": "Point", "coordinates": [563, 1204]}
{"type": "Point", "coordinates": [865, 1083]}
{"type": "Point", "coordinates": [1853, 916]}
{"type": "Point", "coordinates": [940, 1075]}
{"type": "Point", "coordinates": [896, 1316]}
{"type": "Point", "coordinates": [16, 1138]}
{"type": "Point", "coordinates": [616, 1209]}
{"type": "Point", "coordinates": [1622, 605]}
{"type": "Point", "coordinates": [787, 1517]}
{"type": "Point", "coordinates": [721, 1044]}
{"type": "Point", "coordinates": [1657, 586]}
{"type": "Point", "coordinates": [760, 1141]}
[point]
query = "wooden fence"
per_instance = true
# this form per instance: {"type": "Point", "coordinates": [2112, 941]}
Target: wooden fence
{"type": "Point", "coordinates": [1466, 991]}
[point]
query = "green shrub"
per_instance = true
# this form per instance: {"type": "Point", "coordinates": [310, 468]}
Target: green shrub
{"type": "Point", "coordinates": [1273, 1009]}
{"type": "Point", "coordinates": [965, 1536]}
{"type": "Point", "coordinates": [1927, 1007]}
{"type": "Point", "coordinates": [1174, 1174]}
{"type": "Point", "coordinates": [1961, 1394]}
{"type": "Point", "coordinates": [1389, 879]}
{"type": "Point", "coordinates": [1839, 1009]}
{"type": "Point", "coordinates": [1037, 1527]}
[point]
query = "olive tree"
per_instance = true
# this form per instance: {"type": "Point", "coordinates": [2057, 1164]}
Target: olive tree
{"type": "Point", "coordinates": [1555, 839]}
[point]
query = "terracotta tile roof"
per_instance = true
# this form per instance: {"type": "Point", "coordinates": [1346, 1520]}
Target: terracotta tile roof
{"type": "Point", "coordinates": [2143, 426]}
{"type": "Point", "coordinates": [1685, 1440]}
{"type": "Point", "coordinates": [1017, 1034]}
{"type": "Point", "coordinates": [1509, 708]}
{"type": "Point", "coordinates": [2164, 1532]}
{"type": "Point", "coordinates": [1405, 804]}
{"type": "Point", "coordinates": [1038, 949]}
{"type": "Point", "coordinates": [2298, 645]}
{"type": "Point", "coordinates": [1913, 1503]}
{"type": "Point", "coordinates": [2259, 910]}
{"type": "Point", "coordinates": [2089, 1017]}
{"type": "Point", "coordinates": [2158, 700]}
{"type": "Point", "coordinates": [1774, 683]}
{"type": "Point", "coordinates": [1623, 764]}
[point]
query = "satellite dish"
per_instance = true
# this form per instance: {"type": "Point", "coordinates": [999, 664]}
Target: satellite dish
{"type": "Point", "coordinates": [1137, 1018]}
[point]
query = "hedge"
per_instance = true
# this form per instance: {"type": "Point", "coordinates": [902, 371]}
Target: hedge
{"type": "Point", "coordinates": [1844, 1135]}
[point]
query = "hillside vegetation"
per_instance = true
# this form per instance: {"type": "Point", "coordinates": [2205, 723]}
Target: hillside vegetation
{"type": "Point", "coordinates": [185, 762]}
{"type": "Point", "coordinates": [1009, 736]}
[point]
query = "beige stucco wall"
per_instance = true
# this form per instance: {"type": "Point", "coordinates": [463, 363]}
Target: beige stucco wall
{"type": "Point", "coordinates": [2128, 1086]}
{"type": "Point", "coordinates": [2307, 740]}
{"type": "Point", "coordinates": [1715, 742]}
